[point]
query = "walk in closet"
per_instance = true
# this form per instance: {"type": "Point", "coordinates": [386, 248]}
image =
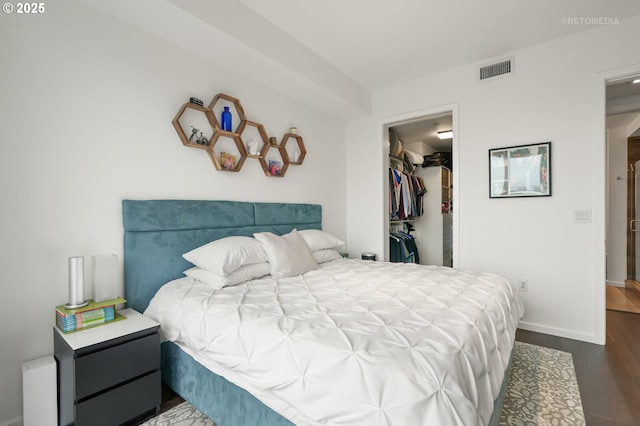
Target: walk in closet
{"type": "Point", "coordinates": [420, 194]}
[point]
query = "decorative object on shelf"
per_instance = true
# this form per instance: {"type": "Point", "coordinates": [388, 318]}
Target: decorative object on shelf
{"type": "Point", "coordinates": [275, 167]}
{"type": "Point", "coordinates": [226, 120]}
{"type": "Point", "coordinates": [252, 146]}
{"type": "Point", "coordinates": [198, 137]}
{"type": "Point", "coordinates": [229, 140]}
{"type": "Point", "coordinates": [520, 171]}
{"type": "Point", "coordinates": [228, 160]}
{"type": "Point", "coordinates": [76, 283]}
{"type": "Point", "coordinates": [217, 105]}
{"type": "Point", "coordinates": [255, 132]}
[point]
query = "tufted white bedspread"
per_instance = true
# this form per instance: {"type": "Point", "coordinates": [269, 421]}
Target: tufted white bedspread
{"type": "Point", "coordinates": [354, 342]}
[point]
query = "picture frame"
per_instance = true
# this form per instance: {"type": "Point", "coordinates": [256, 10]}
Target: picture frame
{"type": "Point", "coordinates": [520, 171]}
{"type": "Point", "coordinates": [275, 168]}
{"type": "Point", "coordinates": [228, 160]}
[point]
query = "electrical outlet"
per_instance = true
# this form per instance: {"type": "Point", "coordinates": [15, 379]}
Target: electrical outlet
{"type": "Point", "coordinates": [523, 284]}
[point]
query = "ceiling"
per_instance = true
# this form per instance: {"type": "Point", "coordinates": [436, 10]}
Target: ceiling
{"type": "Point", "coordinates": [426, 131]}
{"type": "Point", "coordinates": [623, 88]}
{"type": "Point", "coordinates": [333, 54]}
{"type": "Point", "coordinates": [623, 96]}
{"type": "Point", "coordinates": [380, 43]}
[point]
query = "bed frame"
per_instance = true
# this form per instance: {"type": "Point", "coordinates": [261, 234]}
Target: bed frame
{"type": "Point", "coordinates": [156, 234]}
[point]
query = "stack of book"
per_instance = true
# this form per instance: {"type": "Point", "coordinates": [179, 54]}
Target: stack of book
{"type": "Point", "coordinates": [93, 314]}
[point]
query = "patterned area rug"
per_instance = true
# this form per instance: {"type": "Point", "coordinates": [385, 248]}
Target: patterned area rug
{"type": "Point", "coordinates": [180, 415]}
{"type": "Point", "coordinates": [543, 390]}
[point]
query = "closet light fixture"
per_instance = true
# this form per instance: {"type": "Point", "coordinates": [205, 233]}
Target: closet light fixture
{"type": "Point", "coordinates": [447, 134]}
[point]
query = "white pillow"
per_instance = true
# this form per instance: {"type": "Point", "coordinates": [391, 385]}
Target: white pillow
{"type": "Point", "coordinates": [242, 274]}
{"type": "Point", "coordinates": [226, 255]}
{"type": "Point", "coordinates": [326, 255]}
{"type": "Point", "coordinates": [318, 240]}
{"type": "Point", "coordinates": [287, 255]}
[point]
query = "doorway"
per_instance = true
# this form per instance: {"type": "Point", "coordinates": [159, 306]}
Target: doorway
{"type": "Point", "coordinates": [633, 210]}
{"type": "Point", "coordinates": [418, 133]}
{"type": "Point", "coordinates": [623, 155]}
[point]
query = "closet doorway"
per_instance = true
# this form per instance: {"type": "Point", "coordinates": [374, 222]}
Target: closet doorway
{"type": "Point", "coordinates": [633, 213]}
{"type": "Point", "coordinates": [623, 196]}
{"type": "Point", "coordinates": [420, 155]}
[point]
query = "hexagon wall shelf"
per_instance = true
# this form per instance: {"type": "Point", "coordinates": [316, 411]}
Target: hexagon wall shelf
{"type": "Point", "coordinates": [262, 133]}
{"type": "Point", "coordinates": [243, 129]}
{"type": "Point", "coordinates": [239, 145]}
{"type": "Point", "coordinates": [189, 141]}
{"type": "Point", "coordinates": [267, 167]}
{"type": "Point", "coordinates": [226, 100]}
{"type": "Point", "coordinates": [301, 148]}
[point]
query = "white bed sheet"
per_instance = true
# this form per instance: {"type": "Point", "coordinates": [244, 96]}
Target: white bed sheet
{"type": "Point", "coordinates": [354, 342]}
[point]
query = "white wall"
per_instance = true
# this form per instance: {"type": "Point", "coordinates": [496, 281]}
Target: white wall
{"type": "Point", "coordinates": [86, 110]}
{"type": "Point", "coordinates": [550, 97]}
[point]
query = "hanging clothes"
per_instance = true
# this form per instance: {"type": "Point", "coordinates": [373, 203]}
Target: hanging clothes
{"type": "Point", "coordinates": [403, 248]}
{"type": "Point", "coordinates": [418, 192]}
{"type": "Point", "coordinates": [394, 192]}
{"type": "Point", "coordinates": [405, 195]}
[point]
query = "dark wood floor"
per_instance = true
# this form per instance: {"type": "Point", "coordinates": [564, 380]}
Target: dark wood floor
{"type": "Point", "coordinates": [608, 376]}
{"type": "Point", "coordinates": [169, 399]}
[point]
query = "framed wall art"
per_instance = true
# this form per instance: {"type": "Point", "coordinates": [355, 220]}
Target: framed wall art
{"type": "Point", "coordinates": [520, 171]}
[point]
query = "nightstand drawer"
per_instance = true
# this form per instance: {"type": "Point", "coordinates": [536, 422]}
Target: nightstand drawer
{"type": "Point", "coordinates": [134, 400]}
{"type": "Point", "coordinates": [116, 364]}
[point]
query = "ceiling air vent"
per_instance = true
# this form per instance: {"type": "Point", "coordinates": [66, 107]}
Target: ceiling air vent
{"type": "Point", "coordinates": [497, 69]}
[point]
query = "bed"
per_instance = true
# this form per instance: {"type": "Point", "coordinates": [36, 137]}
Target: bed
{"type": "Point", "coordinates": [234, 382]}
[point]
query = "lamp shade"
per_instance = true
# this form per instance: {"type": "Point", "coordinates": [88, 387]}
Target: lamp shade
{"type": "Point", "coordinates": [105, 276]}
{"type": "Point", "coordinates": [76, 283]}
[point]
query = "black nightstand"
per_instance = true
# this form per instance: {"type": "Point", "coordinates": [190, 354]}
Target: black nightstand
{"type": "Point", "coordinates": [109, 375]}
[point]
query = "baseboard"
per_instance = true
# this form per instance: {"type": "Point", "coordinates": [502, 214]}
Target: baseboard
{"type": "Point", "coordinates": [12, 422]}
{"type": "Point", "coordinates": [615, 283]}
{"type": "Point", "coordinates": [559, 332]}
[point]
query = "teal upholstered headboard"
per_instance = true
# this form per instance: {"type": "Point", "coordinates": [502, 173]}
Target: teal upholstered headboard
{"type": "Point", "coordinates": [158, 232]}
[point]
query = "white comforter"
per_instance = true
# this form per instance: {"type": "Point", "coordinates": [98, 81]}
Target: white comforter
{"type": "Point", "coordinates": [354, 342]}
